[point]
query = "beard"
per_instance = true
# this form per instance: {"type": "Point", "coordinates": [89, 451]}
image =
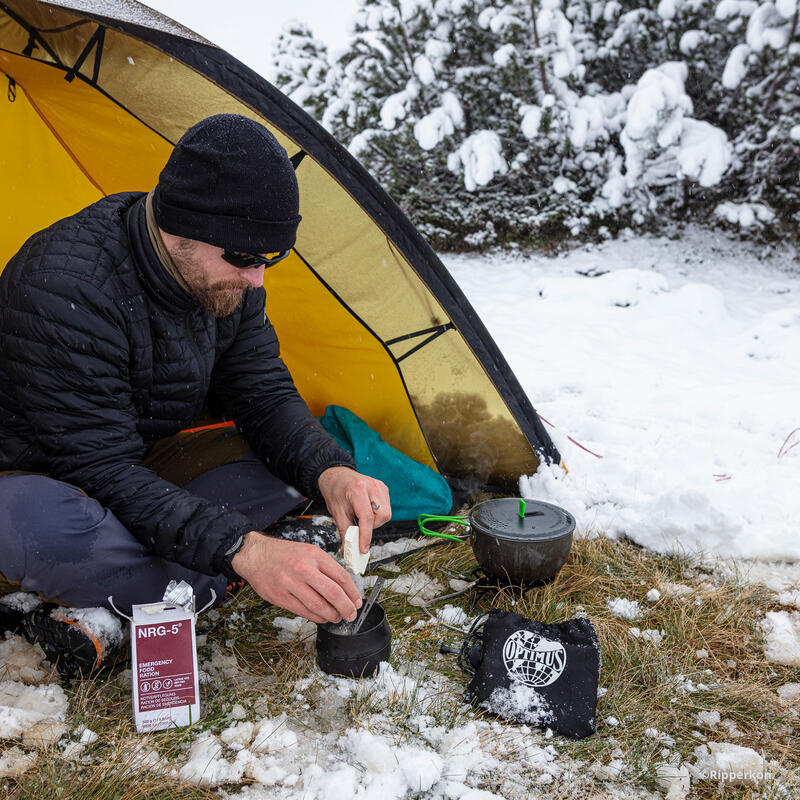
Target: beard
{"type": "Point", "coordinates": [216, 299]}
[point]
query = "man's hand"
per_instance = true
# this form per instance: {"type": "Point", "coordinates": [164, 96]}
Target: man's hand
{"type": "Point", "coordinates": [302, 578]}
{"type": "Point", "coordinates": [352, 496]}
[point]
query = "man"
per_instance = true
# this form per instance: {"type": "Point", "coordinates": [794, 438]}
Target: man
{"type": "Point", "coordinates": [117, 326]}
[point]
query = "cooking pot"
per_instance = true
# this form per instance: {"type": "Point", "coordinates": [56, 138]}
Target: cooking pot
{"type": "Point", "coordinates": [520, 541]}
{"type": "Point", "coordinates": [355, 655]}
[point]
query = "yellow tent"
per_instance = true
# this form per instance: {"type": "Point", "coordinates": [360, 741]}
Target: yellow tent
{"type": "Point", "coordinates": [367, 315]}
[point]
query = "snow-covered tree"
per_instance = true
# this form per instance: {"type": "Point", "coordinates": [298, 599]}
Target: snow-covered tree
{"type": "Point", "coordinates": [301, 67]}
{"type": "Point", "coordinates": [530, 121]}
{"type": "Point", "coordinates": [761, 76]}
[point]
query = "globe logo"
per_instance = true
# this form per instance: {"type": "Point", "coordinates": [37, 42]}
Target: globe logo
{"type": "Point", "coordinates": [533, 660]}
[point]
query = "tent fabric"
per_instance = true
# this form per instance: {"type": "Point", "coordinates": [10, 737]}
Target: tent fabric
{"type": "Point", "coordinates": [92, 99]}
{"type": "Point", "coordinates": [414, 488]}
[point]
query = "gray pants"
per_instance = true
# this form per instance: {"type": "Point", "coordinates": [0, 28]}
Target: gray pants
{"type": "Point", "coordinates": [66, 546]}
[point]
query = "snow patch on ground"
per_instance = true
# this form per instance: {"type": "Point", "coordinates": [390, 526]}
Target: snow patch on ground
{"type": "Point", "coordinates": [726, 763]}
{"type": "Point", "coordinates": [392, 548]}
{"type": "Point", "coordinates": [521, 703]}
{"type": "Point", "coordinates": [650, 635]}
{"type": "Point", "coordinates": [318, 765]}
{"type": "Point", "coordinates": [417, 586]}
{"type": "Point", "coordinates": [654, 354]}
{"type": "Point", "coordinates": [15, 762]}
{"type": "Point", "coordinates": [782, 637]}
{"type": "Point", "coordinates": [791, 599]}
{"type": "Point", "coordinates": [22, 661]}
{"type": "Point", "coordinates": [21, 601]}
{"type": "Point", "coordinates": [627, 609]}
{"type": "Point", "coordinates": [290, 628]}
{"type": "Point", "coordinates": [22, 707]}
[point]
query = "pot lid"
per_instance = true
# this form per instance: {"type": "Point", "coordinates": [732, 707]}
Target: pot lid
{"type": "Point", "coordinates": [541, 522]}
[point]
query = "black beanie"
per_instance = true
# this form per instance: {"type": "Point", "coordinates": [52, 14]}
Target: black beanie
{"type": "Point", "coordinates": [229, 183]}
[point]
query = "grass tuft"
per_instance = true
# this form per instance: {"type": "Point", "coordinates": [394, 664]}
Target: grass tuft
{"type": "Point", "coordinates": [659, 687]}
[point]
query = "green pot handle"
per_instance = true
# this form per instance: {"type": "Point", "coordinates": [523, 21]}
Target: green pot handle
{"type": "Point", "coordinates": [423, 518]}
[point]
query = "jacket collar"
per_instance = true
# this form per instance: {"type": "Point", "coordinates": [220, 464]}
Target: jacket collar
{"type": "Point", "coordinates": [158, 283]}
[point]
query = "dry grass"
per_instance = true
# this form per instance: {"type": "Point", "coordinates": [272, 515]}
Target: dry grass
{"type": "Point", "coordinates": [641, 678]}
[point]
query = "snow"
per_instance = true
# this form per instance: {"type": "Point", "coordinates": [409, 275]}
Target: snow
{"type": "Point", "coordinates": [736, 66]}
{"type": "Point", "coordinates": [726, 763]}
{"type": "Point", "coordinates": [30, 707]}
{"type": "Point", "coordinates": [15, 762]}
{"type": "Point", "coordinates": [424, 70]}
{"type": "Point", "coordinates": [647, 635]}
{"type": "Point", "coordinates": [441, 122]}
{"type": "Point", "coordinates": [653, 596]}
{"type": "Point", "coordinates": [531, 119]}
{"type": "Point", "coordinates": [705, 152]}
{"type": "Point", "coordinates": [789, 694]}
{"type": "Point", "coordinates": [22, 661]}
{"type": "Point", "coordinates": [503, 55]}
{"type": "Point", "coordinates": [708, 718]}
{"type": "Point", "coordinates": [744, 214]}
{"type": "Point", "coordinates": [690, 41]}
{"type": "Point", "coordinates": [790, 599]}
{"type": "Point", "coordinates": [286, 759]}
{"type": "Point", "coordinates": [660, 138]}
{"type": "Point", "coordinates": [98, 622]}
{"type": "Point", "coordinates": [394, 108]}
{"type": "Point", "coordinates": [418, 587]}
{"type": "Point", "coordinates": [520, 703]}
{"type": "Point", "coordinates": [627, 609]}
{"type": "Point", "coordinates": [679, 590]}
{"type": "Point", "coordinates": [453, 615]}
{"type": "Point", "coordinates": [206, 766]}
{"type": "Point", "coordinates": [295, 628]}
{"type": "Point", "coordinates": [658, 97]}
{"type": "Point", "coordinates": [666, 9]}
{"type": "Point", "coordinates": [659, 364]}
{"type": "Point", "coordinates": [481, 157]}
{"type": "Point", "coordinates": [782, 637]}
{"type": "Point", "coordinates": [674, 780]}
{"type": "Point", "coordinates": [21, 601]}
{"type": "Point", "coordinates": [393, 547]}
{"type": "Point", "coordinates": [22, 707]}
{"type": "Point", "coordinates": [88, 736]}
{"type": "Point", "coordinates": [235, 31]}
{"type": "Point", "coordinates": [767, 28]}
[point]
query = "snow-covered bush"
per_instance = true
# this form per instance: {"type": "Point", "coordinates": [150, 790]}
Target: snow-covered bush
{"type": "Point", "coordinates": [301, 67]}
{"type": "Point", "coordinates": [531, 121]}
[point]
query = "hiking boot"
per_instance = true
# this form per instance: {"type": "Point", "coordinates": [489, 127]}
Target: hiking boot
{"type": "Point", "coordinates": [75, 640]}
{"type": "Point", "coordinates": [14, 607]}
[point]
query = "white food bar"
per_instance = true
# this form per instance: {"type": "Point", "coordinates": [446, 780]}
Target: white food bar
{"type": "Point", "coordinates": [354, 560]}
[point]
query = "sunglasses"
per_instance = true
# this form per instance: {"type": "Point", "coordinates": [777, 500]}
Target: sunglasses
{"type": "Point", "coordinates": [247, 260]}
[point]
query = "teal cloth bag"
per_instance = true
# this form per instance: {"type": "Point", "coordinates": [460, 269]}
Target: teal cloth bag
{"type": "Point", "coordinates": [414, 488]}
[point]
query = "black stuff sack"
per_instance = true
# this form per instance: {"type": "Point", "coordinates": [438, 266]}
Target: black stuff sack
{"type": "Point", "coordinates": [537, 674]}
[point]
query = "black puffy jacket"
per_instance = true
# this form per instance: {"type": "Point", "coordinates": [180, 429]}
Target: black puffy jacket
{"type": "Point", "coordinates": [102, 353]}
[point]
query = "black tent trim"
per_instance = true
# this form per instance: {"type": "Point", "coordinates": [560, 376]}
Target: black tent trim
{"type": "Point", "coordinates": [434, 333]}
{"type": "Point", "coordinates": [233, 76]}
